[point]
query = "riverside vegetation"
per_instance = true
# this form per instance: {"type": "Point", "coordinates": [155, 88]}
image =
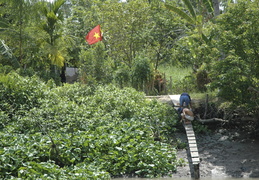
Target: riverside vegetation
{"type": "Point", "coordinates": [92, 131]}
{"type": "Point", "coordinates": [82, 132]}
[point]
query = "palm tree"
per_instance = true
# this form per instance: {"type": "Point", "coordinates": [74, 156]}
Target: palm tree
{"type": "Point", "coordinates": [53, 15]}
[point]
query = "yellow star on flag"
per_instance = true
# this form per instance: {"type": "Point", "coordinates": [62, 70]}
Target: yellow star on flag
{"type": "Point", "coordinates": [97, 35]}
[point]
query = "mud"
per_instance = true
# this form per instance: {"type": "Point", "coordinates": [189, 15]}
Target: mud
{"type": "Point", "coordinates": [223, 153]}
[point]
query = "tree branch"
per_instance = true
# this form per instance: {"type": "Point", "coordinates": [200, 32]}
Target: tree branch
{"type": "Point", "coordinates": [213, 120]}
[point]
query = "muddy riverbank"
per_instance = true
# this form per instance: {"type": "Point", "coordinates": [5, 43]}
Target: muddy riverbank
{"type": "Point", "coordinates": [223, 153]}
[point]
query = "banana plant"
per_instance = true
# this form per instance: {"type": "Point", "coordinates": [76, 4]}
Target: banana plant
{"type": "Point", "coordinates": [195, 17]}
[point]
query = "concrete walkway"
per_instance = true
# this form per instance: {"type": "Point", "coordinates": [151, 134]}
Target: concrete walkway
{"type": "Point", "coordinates": [175, 100]}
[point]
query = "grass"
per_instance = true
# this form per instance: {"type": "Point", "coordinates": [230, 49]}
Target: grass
{"type": "Point", "coordinates": [176, 73]}
{"type": "Point", "coordinates": [212, 96]}
{"type": "Point", "coordinates": [179, 83]}
{"type": "Point", "coordinates": [176, 79]}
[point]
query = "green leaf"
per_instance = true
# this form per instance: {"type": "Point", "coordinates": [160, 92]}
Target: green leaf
{"type": "Point", "coordinates": [205, 38]}
{"type": "Point", "coordinates": [209, 5]}
{"type": "Point", "coordinates": [180, 13]}
{"type": "Point", "coordinates": [190, 8]}
{"type": "Point", "coordinates": [3, 23]}
{"type": "Point", "coordinates": [7, 52]}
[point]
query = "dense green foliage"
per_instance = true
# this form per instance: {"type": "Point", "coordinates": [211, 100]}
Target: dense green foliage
{"type": "Point", "coordinates": [56, 34]}
{"type": "Point", "coordinates": [174, 33]}
{"type": "Point", "coordinates": [75, 131]}
{"type": "Point", "coordinates": [93, 130]}
{"type": "Point", "coordinates": [238, 68]}
{"type": "Point", "coordinates": [224, 55]}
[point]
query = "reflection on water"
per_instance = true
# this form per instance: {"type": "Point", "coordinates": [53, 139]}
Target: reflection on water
{"type": "Point", "coordinates": [186, 178]}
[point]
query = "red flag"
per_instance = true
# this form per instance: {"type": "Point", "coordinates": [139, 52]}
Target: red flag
{"type": "Point", "coordinates": [94, 35]}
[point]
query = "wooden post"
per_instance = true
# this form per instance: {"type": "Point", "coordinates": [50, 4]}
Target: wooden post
{"type": "Point", "coordinates": [196, 170]}
{"type": "Point", "coordinates": [171, 84]}
{"type": "Point", "coordinates": [159, 87]}
{"type": "Point", "coordinates": [165, 84]}
{"type": "Point", "coordinates": [206, 106]}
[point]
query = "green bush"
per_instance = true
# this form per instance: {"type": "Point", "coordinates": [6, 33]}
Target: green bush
{"type": "Point", "coordinates": [141, 72]}
{"type": "Point", "coordinates": [20, 93]}
{"type": "Point", "coordinates": [49, 170]}
{"type": "Point", "coordinates": [77, 131]}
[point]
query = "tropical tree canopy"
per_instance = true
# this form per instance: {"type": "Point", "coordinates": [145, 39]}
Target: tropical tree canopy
{"type": "Point", "coordinates": [43, 38]}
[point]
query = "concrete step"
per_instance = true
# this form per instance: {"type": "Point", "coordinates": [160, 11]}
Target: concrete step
{"type": "Point", "coordinates": [195, 154]}
{"type": "Point", "coordinates": [191, 138]}
{"type": "Point", "coordinates": [195, 160]}
{"type": "Point", "coordinates": [193, 149]}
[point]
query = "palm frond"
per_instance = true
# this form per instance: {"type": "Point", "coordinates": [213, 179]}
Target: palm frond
{"type": "Point", "coordinates": [57, 4]}
{"type": "Point", "coordinates": [55, 55]}
{"type": "Point", "coordinates": [180, 13]}
{"type": "Point", "coordinates": [209, 5]}
{"type": "Point", "coordinates": [190, 8]}
{"type": "Point", "coordinates": [3, 23]}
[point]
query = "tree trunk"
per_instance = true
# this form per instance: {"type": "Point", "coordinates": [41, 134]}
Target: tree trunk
{"type": "Point", "coordinates": [216, 7]}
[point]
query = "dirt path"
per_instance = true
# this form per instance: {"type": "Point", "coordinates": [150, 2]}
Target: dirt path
{"type": "Point", "coordinates": [223, 153]}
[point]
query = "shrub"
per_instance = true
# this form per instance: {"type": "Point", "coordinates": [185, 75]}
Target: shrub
{"type": "Point", "coordinates": [77, 131]}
